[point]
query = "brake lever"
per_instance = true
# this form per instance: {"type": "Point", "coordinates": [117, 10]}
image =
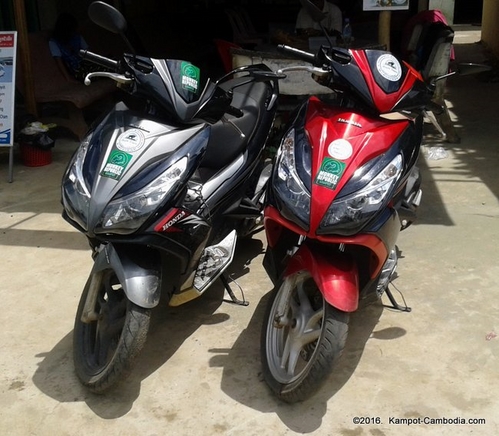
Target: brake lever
{"type": "Point", "coordinates": [314, 70]}
{"type": "Point", "coordinates": [120, 78]}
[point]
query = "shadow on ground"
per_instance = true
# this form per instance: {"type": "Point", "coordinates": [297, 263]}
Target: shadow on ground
{"type": "Point", "coordinates": [469, 98]}
{"type": "Point", "coordinates": [241, 368]}
{"type": "Point", "coordinates": [170, 327]}
{"type": "Point", "coordinates": [242, 379]}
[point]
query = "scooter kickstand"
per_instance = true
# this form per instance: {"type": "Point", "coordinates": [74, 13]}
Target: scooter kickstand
{"type": "Point", "coordinates": [394, 303]}
{"type": "Point", "coordinates": [233, 298]}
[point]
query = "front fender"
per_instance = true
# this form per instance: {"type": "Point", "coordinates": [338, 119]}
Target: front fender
{"type": "Point", "coordinates": [141, 285]}
{"type": "Point", "coordinates": [336, 276]}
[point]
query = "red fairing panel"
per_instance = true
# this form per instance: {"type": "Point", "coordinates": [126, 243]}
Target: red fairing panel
{"type": "Point", "coordinates": [274, 223]}
{"type": "Point", "coordinates": [336, 277]}
{"type": "Point", "coordinates": [384, 102]}
{"type": "Point", "coordinates": [347, 140]}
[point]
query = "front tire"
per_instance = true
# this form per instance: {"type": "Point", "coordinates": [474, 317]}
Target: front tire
{"type": "Point", "coordinates": [104, 349]}
{"type": "Point", "coordinates": [302, 338]}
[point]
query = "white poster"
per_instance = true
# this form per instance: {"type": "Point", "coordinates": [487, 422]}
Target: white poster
{"type": "Point", "coordinates": [385, 5]}
{"type": "Point", "coordinates": [8, 44]}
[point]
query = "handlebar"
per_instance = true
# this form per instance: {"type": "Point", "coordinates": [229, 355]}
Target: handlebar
{"type": "Point", "coordinates": [100, 60]}
{"type": "Point", "coordinates": [299, 54]}
{"type": "Point", "coordinates": [107, 63]}
{"type": "Point", "coordinates": [317, 59]}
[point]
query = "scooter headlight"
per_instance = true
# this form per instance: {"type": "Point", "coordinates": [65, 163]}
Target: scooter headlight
{"type": "Point", "coordinates": [346, 215]}
{"type": "Point", "coordinates": [75, 193]}
{"type": "Point", "coordinates": [292, 159]}
{"type": "Point", "coordinates": [126, 214]}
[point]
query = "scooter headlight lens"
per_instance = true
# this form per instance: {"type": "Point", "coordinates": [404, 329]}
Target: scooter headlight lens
{"type": "Point", "coordinates": [349, 213]}
{"type": "Point", "coordinates": [288, 185]}
{"type": "Point", "coordinates": [75, 193]}
{"type": "Point", "coordinates": [126, 214]}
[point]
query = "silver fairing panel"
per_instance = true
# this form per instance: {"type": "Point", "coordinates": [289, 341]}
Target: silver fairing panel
{"type": "Point", "coordinates": [128, 143]}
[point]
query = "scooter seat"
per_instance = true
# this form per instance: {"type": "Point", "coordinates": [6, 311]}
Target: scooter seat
{"type": "Point", "coordinates": [226, 142]}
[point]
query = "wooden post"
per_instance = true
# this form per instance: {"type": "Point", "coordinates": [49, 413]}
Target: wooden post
{"type": "Point", "coordinates": [384, 28]}
{"type": "Point", "coordinates": [422, 5]}
{"type": "Point", "coordinates": [22, 34]}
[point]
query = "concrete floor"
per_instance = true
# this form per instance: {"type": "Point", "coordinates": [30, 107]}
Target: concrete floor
{"type": "Point", "coordinates": [200, 371]}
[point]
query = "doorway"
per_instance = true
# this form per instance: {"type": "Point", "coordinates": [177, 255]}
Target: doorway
{"type": "Point", "coordinates": [468, 12]}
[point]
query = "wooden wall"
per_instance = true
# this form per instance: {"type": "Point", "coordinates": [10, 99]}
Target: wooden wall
{"type": "Point", "coordinates": [490, 20]}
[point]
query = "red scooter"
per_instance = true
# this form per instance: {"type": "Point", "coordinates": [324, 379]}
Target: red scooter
{"type": "Point", "coordinates": [344, 184]}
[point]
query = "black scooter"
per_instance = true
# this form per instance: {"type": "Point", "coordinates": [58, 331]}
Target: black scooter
{"type": "Point", "coordinates": [171, 184]}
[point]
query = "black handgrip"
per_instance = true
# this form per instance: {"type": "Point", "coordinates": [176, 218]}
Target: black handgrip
{"type": "Point", "coordinates": [299, 54]}
{"type": "Point", "coordinates": [340, 57]}
{"type": "Point", "coordinates": [110, 64]}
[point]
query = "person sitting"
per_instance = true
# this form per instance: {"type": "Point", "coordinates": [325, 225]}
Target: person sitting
{"type": "Point", "coordinates": [333, 22]}
{"type": "Point", "coordinates": [65, 45]}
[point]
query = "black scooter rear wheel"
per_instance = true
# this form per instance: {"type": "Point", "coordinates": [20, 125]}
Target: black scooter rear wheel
{"type": "Point", "coordinates": [105, 349]}
{"type": "Point", "coordinates": [302, 338]}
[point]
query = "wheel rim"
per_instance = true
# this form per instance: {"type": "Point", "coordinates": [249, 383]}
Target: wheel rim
{"type": "Point", "coordinates": [101, 337]}
{"type": "Point", "coordinates": [294, 327]}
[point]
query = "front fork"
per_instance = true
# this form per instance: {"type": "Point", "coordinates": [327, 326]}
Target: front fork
{"type": "Point", "coordinates": [89, 314]}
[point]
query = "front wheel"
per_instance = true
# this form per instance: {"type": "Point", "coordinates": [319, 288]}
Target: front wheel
{"type": "Point", "coordinates": [302, 338]}
{"type": "Point", "coordinates": [106, 343]}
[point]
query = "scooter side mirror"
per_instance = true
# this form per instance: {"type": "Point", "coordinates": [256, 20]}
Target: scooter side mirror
{"type": "Point", "coordinates": [107, 17]}
{"type": "Point", "coordinates": [465, 69]}
{"type": "Point", "coordinates": [315, 13]}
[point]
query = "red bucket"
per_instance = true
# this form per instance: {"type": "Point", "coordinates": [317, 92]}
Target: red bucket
{"type": "Point", "coordinates": [34, 156]}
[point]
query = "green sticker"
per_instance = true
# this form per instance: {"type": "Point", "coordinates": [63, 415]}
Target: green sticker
{"type": "Point", "coordinates": [190, 77]}
{"type": "Point", "coordinates": [330, 173]}
{"type": "Point", "coordinates": [116, 164]}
